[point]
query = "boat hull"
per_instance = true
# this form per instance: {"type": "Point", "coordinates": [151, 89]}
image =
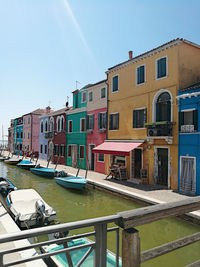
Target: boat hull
{"type": "Point", "coordinates": [44, 172]}
{"type": "Point", "coordinates": [26, 165]}
{"type": "Point", "coordinates": [12, 162]}
{"type": "Point", "coordinates": [71, 182]}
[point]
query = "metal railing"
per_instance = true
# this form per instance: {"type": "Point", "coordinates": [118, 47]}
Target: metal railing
{"type": "Point", "coordinates": [127, 220]}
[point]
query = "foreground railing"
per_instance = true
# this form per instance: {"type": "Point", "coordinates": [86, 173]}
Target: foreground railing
{"type": "Point", "coordinates": [131, 254]}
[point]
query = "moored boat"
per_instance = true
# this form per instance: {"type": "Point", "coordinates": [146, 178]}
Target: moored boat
{"type": "Point", "coordinates": [72, 182]}
{"type": "Point", "coordinates": [6, 186]}
{"type": "Point", "coordinates": [26, 164]}
{"type": "Point", "coordinates": [76, 255]}
{"type": "Point", "coordinates": [12, 161]}
{"type": "Point", "coordinates": [28, 209]}
{"type": "Point", "coordinates": [45, 172]}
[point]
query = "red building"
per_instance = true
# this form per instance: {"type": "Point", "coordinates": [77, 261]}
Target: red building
{"type": "Point", "coordinates": [96, 124]}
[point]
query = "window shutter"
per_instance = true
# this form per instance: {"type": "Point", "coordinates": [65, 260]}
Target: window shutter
{"type": "Point", "coordinates": [99, 120]}
{"type": "Point", "coordinates": [110, 122]}
{"type": "Point", "coordinates": [158, 112]}
{"type": "Point", "coordinates": [105, 126]}
{"type": "Point", "coordinates": [145, 116]}
{"type": "Point", "coordinates": [117, 126]}
{"type": "Point", "coordinates": [87, 122]}
{"type": "Point", "coordinates": [134, 118]}
{"type": "Point", "coordinates": [195, 119]}
{"type": "Point", "coordinates": [92, 121]}
{"type": "Point", "coordinates": [181, 119]}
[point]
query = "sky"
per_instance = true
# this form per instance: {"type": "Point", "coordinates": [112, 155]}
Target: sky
{"type": "Point", "coordinates": [48, 45]}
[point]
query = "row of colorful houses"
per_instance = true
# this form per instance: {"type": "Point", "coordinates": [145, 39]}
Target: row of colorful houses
{"type": "Point", "coordinates": [143, 117]}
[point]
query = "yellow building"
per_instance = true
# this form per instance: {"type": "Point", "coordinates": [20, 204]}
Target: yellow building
{"type": "Point", "coordinates": [143, 111]}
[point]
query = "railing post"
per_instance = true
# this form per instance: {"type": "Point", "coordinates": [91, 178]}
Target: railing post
{"type": "Point", "coordinates": [130, 248]}
{"type": "Point", "coordinates": [101, 245]}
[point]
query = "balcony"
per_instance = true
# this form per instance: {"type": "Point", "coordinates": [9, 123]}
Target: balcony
{"type": "Point", "coordinates": [49, 135]}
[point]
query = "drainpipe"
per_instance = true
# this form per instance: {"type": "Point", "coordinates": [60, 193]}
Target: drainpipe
{"type": "Point", "coordinates": [31, 131]}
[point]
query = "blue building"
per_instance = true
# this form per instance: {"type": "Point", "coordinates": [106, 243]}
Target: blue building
{"type": "Point", "coordinates": [189, 140]}
{"type": "Point", "coordinates": [19, 135]}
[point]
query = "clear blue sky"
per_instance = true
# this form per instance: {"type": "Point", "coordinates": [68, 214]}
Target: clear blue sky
{"type": "Point", "coordinates": [46, 45]}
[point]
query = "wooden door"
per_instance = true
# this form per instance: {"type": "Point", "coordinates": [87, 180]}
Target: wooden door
{"type": "Point", "coordinates": [162, 166]}
{"type": "Point", "coordinates": [74, 155]}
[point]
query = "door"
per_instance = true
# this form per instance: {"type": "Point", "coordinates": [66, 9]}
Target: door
{"type": "Point", "coordinates": [91, 158]}
{"type": "Point", "coordinates": [74, 155]}
{"type": "Point", "coordinates": [51, 150]}
{"type": "Point", "coordinates": [162, 166]}
{"type": "Point", "coordinates": [137, 163]}
{"type": "Point", "coordinates": [188, 175]}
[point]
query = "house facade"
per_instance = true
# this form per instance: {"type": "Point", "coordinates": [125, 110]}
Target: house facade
{"type": "Point", "coordinates": [76, 136]}
{"type": "Point", "coordinates": [11, 137]}
{"type": "Point", "coordinates": [43, 140]}
{"type": "Point", "coordinates": [189, 140]}
{"type": "Point", "coordinates": [96, 124]}
{"type": "Point", "coordinates": [143, 111]}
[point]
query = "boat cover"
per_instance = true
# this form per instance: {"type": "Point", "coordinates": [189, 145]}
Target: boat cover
{"type": "Point", "coordinates": [23, 204]}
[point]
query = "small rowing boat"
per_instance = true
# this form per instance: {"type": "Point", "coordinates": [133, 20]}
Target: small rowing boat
{"type": "Point", "coordinates": [72, 182]}
{"type": "Point", "coordinates": [45, 172]}
{"type": "Point", "coordinates": [26, 164]}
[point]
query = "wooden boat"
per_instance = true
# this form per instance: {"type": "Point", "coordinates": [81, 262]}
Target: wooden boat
{"type": "Point", "coordinates": [12, 161]}
{"type": "Point", "coordinates": [45, 172]}
{"type": "Point", "coordinates": [6, 186]}
{"type": "Point", "coordinates": [28, 209]}
{"type": "Point", "coordinates": [26, 164]}
{"type": "Point", "coordinates": [60, 260]}
{"type": "Point", "coordinates": [72, 182]}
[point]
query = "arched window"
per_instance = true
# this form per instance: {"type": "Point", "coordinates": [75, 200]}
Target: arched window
{"type": "Point", "coordinates": [58, 124]}
{"type": "Point", "coordinates": [62, 123]}
{"type": "Point", "coordinates": [51, 124]}
{"type": "Point", "coordinates": [41, 127]}
{"type": "Point", "coordinates": [163, 107]}
{"type": "Point", "coordinates": [46, 126]}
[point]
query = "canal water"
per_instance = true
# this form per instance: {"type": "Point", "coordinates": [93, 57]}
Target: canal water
{"type": "Point", "coordinates": [72, 206]}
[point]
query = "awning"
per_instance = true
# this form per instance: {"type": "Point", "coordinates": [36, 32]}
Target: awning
{"type": "Point", "coordinates": [116, 148]}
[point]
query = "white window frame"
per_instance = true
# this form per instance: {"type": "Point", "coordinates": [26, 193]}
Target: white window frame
{"type": "Point", "coordinates": [100, 160]}
{"type": "Point", "coordinates": [42, 126]}
{"type": "Point", "coordinates": [109, 122]}
{"type": "Point", "coordinates": [82, 93]}
{"type": "Point", "coordinates": [80, 151]}
{"type": "Point", "coordinates": [112, 83]}
{"type": "Point", "coordinates": [106, 125]}
{"type": "Point", "coordinates": [57, 119]}
{"type": "Point", "coordinates": [69, 127]}
{"type": "Point", "coordinates": [90, 93]}
{"type": "Point", "coordinates": [62, 118]}
{"type": "Point", "coordinates": [156, 68]}
{"type": "Point", "coordinates": [81, 125]}
{"type": "Point", "coordinates": [136, 76]}
{"type": "Point", "coordinates": [146, 114]}
{"type": "Point", "coordinates": [101, 91]}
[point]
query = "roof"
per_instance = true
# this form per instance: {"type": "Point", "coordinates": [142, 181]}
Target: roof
{"type": "Point", "coordinates": [151, 52]}
{"type": "Point", "coordinates": [94, 84]}
{"type": "Point", "coordinates": [191, 87]}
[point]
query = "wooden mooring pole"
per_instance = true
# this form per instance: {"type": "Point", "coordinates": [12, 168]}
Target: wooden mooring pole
{"type": "Point", "coordinates": [130, 248]}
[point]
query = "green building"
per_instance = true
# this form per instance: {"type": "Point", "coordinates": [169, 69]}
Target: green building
{"type": "Point", "coordinates": [76, 136]}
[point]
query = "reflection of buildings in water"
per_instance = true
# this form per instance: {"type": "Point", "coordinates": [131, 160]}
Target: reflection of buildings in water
{"type": "Point", "coordinates": [3, 170]}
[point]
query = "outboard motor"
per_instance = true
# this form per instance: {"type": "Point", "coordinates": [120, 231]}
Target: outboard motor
{"type": "Point", "coordinates": [40, 209]}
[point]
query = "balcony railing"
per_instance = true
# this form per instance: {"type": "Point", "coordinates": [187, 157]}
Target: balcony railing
{"type": "Point", "coordinates": [127, 220]}
{"type": "Point", "coordinates": [49, 135]}
{"type": "Point", "coordinates": [161, 128]}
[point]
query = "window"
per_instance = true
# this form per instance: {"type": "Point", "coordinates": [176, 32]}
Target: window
{"type": "Point", "coordinates": [62, 123]}
{"type": "Point", "coordinates": [41, 149]}
{"type": "Point", "coordinates": [188, 120]}
{"type": "Point", "coordinates": [90, 96]}
{"type": "Point", "coordinates": [56, 150]}
{"type": "Point", "coordinates": [51, 124]}
{"type": "Point", "coordinates": [163, 107]}
{"type": "Point", "coordinates": [140, 72]}
{"type": "Point", "coordinates": [62, 150]}
{"type": "Point", "coordinates": [161, 67]}
{"type": "Point", "coordinates": [45, 149]}
{"type": "Point", "coordinates": [115, 82]}
{"type": "Point", "coordinates": [188, 175]}
{"type": "Point", "coordinates": [28, 120]}
{"type": "Point", "coordinates": [139, 118]}
{"type": "Point", "coordinates": [101, 157]}
{"type": "Point", "coordinates": [41, 127]}
{"type": "Point", "coordinates": [90, 122]}
{"type": "Point", "coordinates": [69, 151]}
{"type": "Point", "coordinates": [21, 134]}
{"type": "Point", "coordinates": [17, 134]}
{"type": "Point", "coordinates": [103, 92]}
{"type": "Point", "coordinates": [83, 97]}
{"type": "Point", "coordinates": [58, 124]}
{"type": "Point", "coordinates": [82, 125]}
{"type": "Point", "coordinates": [24, 121]}
{"type": "Point", "coordinates": [70, 126]}
{"type": "Point", "coordinates": [28, 136]}
{"type": "Point", "coordinates": [102, 120]}
{"type": "Point", "coordinates": [82, 152]}
{"type": "Point", "coordinates": [114, 121]}
{"type": "Point", "coordinates": [46, 126]}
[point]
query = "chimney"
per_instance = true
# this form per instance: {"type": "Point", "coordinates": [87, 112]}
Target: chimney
{"type": "Point", "coordinates": [48, 110]}
{"type": "Point", "coordinates": [130, 54]}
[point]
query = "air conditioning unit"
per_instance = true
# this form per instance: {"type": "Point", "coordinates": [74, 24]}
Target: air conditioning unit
{"type": "Point", "coordinates": [152, 132]}
{"type": "Point", "coordinates": [187, 128]}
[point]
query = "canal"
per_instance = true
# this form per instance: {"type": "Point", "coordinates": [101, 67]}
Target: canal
{"type": "Point", "coordinates": [72, 206]}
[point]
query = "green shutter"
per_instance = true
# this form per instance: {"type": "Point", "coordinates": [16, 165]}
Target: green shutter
{"type": "Point", "coordinates": [195, 119]}
{"type": "Point", "coordinates": [117, 126]}
{"type": "Point", "coordinates": [134, 118]}
{"type": "Point", "coordinates": [92, 121]}
{"type": "Point", "coordinates": [87, 122]}
{"type": "Point", "coordinates": [158, 112]}
{"type": "Point", "coordinates": [110, 122]}
{"type": "Point", "coordinates": [99, 120]}
{"type": "Point", "coordinates": [115, 83]}
{"type": "Point", "coordinates": [181, 119]}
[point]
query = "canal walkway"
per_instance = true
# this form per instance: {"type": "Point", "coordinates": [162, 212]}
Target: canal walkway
{"type": "Point", "coordinates": [150, 194]}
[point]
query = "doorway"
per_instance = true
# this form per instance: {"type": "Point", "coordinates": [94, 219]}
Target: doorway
{"type": "Point", "coordinates": [162, 154]}
{"type": "Point", "coordinates": [137, 163]}
{"type": "Point", "coordinates": [91, 158]}
{"type": "Point", "coordinates": [74, 155]}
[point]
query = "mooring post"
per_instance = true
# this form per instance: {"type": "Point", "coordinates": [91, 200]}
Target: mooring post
{"type": "Point", "coordinates": [130, 248]}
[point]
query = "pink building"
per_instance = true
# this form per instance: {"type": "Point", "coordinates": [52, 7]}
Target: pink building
{"type": "Point", "coordinates": [96, 124]}
{"type": "Point", "coordinates": [31, 128]}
